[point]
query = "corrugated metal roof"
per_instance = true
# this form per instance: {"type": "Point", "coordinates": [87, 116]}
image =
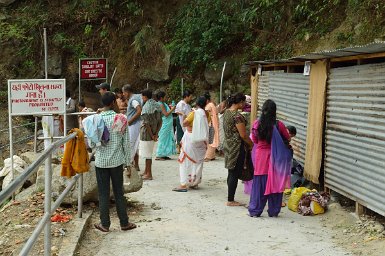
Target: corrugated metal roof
{"type": "Point", "coordinates": [374, 47]}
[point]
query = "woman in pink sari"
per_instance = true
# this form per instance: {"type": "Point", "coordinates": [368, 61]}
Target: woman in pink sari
{"type": "Point", "coordinates": [212, 110]}
{"type": "Point", "coordinates": [272, 162]}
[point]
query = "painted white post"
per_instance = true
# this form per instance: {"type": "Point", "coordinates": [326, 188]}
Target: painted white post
{"type": "Point", "coordinates": [221, 87]}
{"type": "Point", "coordinates": [182, 88]}
{"type": "Point", "coordinates": [112, 77]}
{"type": "Point", "coordinates": [47, 203]}
{"type": "Point", "coordinates": [10, 136]}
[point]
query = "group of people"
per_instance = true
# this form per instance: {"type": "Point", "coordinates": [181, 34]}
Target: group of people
{"type": "Point", "coordinates": [146, 118]}
{"type": "Point", "coordinates": [267, 144]}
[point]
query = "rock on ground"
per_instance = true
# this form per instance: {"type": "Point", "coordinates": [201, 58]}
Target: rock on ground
{"type": "Point", "coordinates": [134, 183]}
{"type": "Point", "coordinates": [59, 183]}
{"type": "Point", "coordinates": [90, 187]}
{"type": "Point", "coordinates": [18, 167]}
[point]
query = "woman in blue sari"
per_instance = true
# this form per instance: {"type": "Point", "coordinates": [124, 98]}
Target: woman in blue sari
{"type": "Point", "coordinates": [166, 140]}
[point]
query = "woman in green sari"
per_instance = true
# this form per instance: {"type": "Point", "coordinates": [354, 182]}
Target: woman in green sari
{"type": "Point", "coordinates": [166, 140]}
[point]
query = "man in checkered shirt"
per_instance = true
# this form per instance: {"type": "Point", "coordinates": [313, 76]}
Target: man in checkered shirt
{"type": "Point", "coordinates": [109, 162]}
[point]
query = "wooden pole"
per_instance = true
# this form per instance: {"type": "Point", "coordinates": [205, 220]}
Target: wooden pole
{"type": "Point", "coordinates": [316, 117]}
{"type": "Point", "coordinates": [254, 96]}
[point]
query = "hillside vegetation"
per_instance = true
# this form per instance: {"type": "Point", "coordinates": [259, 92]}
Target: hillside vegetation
{"type": "Point", "coordinates": [162, 41]}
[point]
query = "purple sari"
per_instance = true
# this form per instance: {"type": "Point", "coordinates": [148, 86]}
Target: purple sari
{"type": "Point", "coordinates": [278, 178]}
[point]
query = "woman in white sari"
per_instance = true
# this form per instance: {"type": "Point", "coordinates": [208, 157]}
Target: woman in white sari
{"type": "Point", "coordinates": [193, 147]}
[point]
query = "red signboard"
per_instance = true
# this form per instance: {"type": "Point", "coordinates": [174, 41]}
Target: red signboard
{"type": "Point", "coordinates": [93, 69]}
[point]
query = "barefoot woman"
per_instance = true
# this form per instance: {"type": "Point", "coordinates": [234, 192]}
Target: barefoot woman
{"type": "Point", "coordinates": [236, 139]}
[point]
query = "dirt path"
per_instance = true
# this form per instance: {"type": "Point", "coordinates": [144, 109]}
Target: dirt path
{"type": "Point", "coordinates": [199, 223]}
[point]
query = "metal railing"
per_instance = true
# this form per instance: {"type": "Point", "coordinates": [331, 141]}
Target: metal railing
{"type": "Point", "coordinates": [49, 208]}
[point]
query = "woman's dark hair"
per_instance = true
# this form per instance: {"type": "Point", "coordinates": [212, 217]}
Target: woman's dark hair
{"type": "Point", "coordinates": [118, 90]}
{"type": "Point", "coordinates": [108, 98]}
{"type": "Point", "coordinates": [186, 94]}
{"type": "Point", "coordinates": [147, 93]}
{"type": "Point", "coordinates": [207, 95]}
{"type": "Point", "coordinates": [82, 104]}
{"type": "Point", "coordinates": [160, 94]}
{"type": "Point", "coordinates": [235, 99]}
{"type": "Point", "coordinates": [267, 120]}
{"type": "Point", "coordinates": [201, 102]}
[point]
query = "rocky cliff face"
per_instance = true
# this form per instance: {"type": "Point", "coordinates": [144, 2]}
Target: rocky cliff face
{"type": "Point", "coordinates": [135, 36]}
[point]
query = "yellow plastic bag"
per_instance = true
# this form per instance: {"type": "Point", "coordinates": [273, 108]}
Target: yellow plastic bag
{"type": "Point", "coordinates": [316, 208]}
{"type": "Point", "coordinates": [287, 191]}
{"type": "Point", "coordinates": [295, 197]}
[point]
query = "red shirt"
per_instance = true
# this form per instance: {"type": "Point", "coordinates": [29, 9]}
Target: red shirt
{"type": "Point", "coordinates": [263, 148]}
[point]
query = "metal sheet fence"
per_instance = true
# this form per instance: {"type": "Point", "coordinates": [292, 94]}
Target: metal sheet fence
{"type": "Point", "coordinates": [290, 91]}
{"type": "Point", "coordinates": [355, 134]}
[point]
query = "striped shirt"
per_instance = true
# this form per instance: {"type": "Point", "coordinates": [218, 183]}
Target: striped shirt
{"type": "Point", "coordinates": [117, 151]}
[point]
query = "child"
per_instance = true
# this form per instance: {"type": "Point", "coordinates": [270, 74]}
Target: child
{"type": "Point", "coordinates": [82, 108]}
{"type": "Point", "coordinates": [292, 131]}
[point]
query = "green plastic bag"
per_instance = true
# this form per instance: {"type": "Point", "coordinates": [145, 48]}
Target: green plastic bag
{"type": "Point", "coordinates": [295, 197]}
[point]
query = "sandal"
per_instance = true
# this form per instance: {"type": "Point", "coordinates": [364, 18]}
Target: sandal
{"type": "Point", "coordinates": [283, 204]}
{"type": "Point", "coordinates": [128, 227]}
{"type": "Point", "coordinates": [179, 189]}
{"type": "Point", "coordinates": [234, 203]}
{"type": "Point", "coordinates": [144, 177]}
{"type": "Point", "coordinates": [101, 228]}
{"type": "Point", "coordinates": [160, 159]}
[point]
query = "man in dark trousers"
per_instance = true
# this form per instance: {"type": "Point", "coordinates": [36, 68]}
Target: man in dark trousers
{"type": "Point", "coordinates": [109, 162]}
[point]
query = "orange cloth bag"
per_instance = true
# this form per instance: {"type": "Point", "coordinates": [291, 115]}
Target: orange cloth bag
{"type": "Point", "coordinates": [75, 159]}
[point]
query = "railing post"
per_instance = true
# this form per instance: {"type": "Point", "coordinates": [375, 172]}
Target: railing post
{"type": "Point", "coordinates": [47, 203]}
{"type": "Point", "coordinates": [80, 195]}
{"type": "Point", "coordinates": [35, 137]}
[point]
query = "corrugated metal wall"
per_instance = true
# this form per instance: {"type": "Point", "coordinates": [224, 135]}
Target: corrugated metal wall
{"type": "Point", "coordinates": [355, 134]}
{"type": "Point", "coordinates": [263, 90]}
{"type": "Point", "coordinates": [290, 91]}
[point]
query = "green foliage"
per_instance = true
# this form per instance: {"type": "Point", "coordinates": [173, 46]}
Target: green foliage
{"type": "Point", "coordinates": [134, 8]}
{"type": "Point", "coordinates": [174, 91]}
{"type": "Point", "coordinates": [60, 38]}
{"type": "Point", "coordinates": [70, 44]}
{"type": "Point", "coordinates": [88, 29]}
{"type": "Point", "coordinates": [143, 40]}
{"type": "Point", "coordinates": [103, 33]}
{"type": "Point", "coordinates": [205, 30]}
{"type": "Point", "coordinates": [344, 38]}
{"type": "Point", "coordinates": [11, 32]}
{"type": "Point", "coordinates": [3, 97]}
{"type": "Point", "coordinates": [201, 30]}
{"type": "Point", "coordinates": [372, 9]}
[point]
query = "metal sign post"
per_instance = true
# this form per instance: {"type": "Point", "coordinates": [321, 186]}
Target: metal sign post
{"type": "Point", "coordinates": [37, 97]}
{"type": "Point", "coordinates": [11, 139]}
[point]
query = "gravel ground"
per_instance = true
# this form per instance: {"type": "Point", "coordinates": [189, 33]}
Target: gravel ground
{"type": "Point", "coordinates": [199, 223]}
